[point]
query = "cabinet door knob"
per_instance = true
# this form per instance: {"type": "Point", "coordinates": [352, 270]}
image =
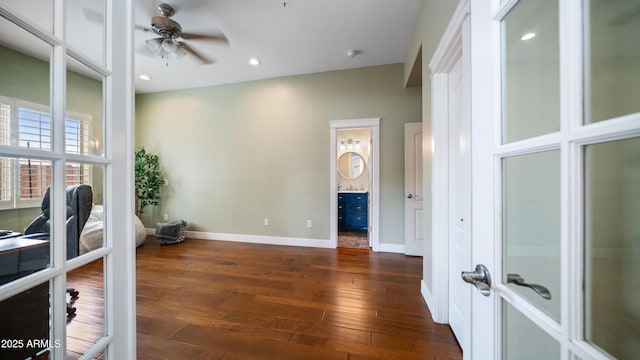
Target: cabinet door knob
{"type": "Point", "coordinates": [409, 196]}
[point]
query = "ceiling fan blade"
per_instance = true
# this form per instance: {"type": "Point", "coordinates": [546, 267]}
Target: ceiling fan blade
{"type": "Point", "coordinates": [188, 49]}
{"type": "Point", "coordinates": [191, 36]}
{"type": "Point", "coordinates": [154, 45]}
{"type": "Point", "coordinates": [144, 49]}
{"type": "Point", "coordinates": [143, 28]}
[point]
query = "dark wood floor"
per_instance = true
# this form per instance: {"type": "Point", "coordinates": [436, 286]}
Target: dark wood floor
{"type": "Point", "coordinates": [87, 326]}
{"type": "Point", "coordinates": [219, 300]}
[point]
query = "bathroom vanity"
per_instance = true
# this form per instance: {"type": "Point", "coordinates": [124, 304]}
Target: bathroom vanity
{"type": "Point", "coordinates": [352, 210]}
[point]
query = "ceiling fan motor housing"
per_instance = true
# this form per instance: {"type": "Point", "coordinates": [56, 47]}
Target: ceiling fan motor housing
{"type": "Point", "coordinates": [164, 26]}
{"type": "Point", "coordinates": [166, 10]}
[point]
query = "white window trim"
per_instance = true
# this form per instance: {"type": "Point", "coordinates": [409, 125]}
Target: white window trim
{"type": "Point", "coordinates": [15, 202]}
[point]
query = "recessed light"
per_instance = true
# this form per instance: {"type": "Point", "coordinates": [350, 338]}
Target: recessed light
{"type": "Point", "coordinates": [144, 77]}
{"type": "Point", "coordinates": [353, 52]}
{"type": "Point", "coordinates": [528, 36]}
{"type": "Point", "coordinates": [254, 61]}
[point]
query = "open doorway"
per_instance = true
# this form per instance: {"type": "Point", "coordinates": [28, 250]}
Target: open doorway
{"type": "Point", "coordinates": [353, 177]}
{"type": "Point", "coordinates": [354, 183]}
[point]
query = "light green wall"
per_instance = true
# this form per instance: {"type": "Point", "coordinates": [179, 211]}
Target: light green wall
{"type": "Point", "coordinates": [27, 78]}
{"type": "Point", "coordinates": [432, 21]}
{"type": "Point", "coordinates": [24, 77]}
{"type": "Point", "coordinates": [238, 153]}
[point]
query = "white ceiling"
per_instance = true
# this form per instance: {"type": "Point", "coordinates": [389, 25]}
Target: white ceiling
{"type": "Point", "coordinates": [290, 37]}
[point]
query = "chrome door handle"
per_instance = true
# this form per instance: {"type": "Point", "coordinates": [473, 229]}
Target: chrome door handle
{"type": "Point", "coordinates": [539, 289]}
{"type": "Point", "coordinates": [479, 278]}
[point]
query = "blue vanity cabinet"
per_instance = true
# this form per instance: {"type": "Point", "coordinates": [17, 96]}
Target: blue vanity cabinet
{"type": "Point", "coordinates": [342, 209]}
{"type": "Point", "coordinates": [353, 211]}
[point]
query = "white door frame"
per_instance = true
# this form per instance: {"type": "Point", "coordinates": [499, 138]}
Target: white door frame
{"type": "Point", "coordinates": [484, 101]}
{"type": "Point", "coordinates": [121, 140]}
{"type": "Point", "coordinates": [374, 186]}
{"type": "Point", "coordinates": [453, 45]}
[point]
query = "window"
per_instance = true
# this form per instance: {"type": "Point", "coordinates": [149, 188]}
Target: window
{"type": "Point", "coordinates": [24, 124]}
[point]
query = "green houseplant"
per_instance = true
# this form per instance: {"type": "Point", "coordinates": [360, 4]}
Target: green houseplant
{"type": "Point", "coordinates": [148, 180]}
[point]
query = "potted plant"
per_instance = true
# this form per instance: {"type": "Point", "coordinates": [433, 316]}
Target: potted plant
{"type": "Point", "coordinates": [148, 180]}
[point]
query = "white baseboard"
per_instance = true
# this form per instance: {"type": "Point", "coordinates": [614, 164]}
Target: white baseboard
{"type": "Point", "coordinates": [254, 239]}
{"type": "Point", "coordinates": [428, 298]}
{"type": "Point", "coordinates": [391, 248]}
{"type": "Point", "coordinates": [260, 239]}
{"type": "Point", "coordinates": [275, 240]}
{"type": "Point", "coordinates": [426, 295]}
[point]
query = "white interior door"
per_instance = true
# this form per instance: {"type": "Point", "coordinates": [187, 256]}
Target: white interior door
{"type": "Point", "coordinates": [562, 177]}
{"type": "Point", "coordinates": [414, 196]}
{"type": "Point", "coordinates": [459, 205]}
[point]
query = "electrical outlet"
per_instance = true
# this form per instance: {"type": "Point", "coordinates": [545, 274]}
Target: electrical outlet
{"type": "Point", "coordinates": [266, 221]}
{"type": "Point", "coordinates": [309, 224]}
{"type": "Point", "coordinates": [166, 217]}
{"type": "Point", "coordinates": [166, 182]}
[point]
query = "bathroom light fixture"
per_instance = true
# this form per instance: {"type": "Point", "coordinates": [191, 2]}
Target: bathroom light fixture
{"type": "Point", "coordinates": [349, 144]}
{"type": "Point", "coordinates": [254, 61]}
{"type": "Point", "coordinates": [528, 36]}
{"type": "Point", "coordinates": [144, 77]}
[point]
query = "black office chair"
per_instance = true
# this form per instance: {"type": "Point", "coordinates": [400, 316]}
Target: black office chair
{"type": "Point", "coordinates": [79, 203]}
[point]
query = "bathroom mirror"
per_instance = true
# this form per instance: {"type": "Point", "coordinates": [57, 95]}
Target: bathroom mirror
{"type": "Point", "coordinates": [350, 165]}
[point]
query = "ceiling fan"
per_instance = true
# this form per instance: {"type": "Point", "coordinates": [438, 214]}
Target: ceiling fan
{"type": "Point", "coordinates": [168, 45]}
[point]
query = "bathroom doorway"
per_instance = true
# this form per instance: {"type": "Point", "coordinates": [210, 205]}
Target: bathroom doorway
{"type": "Point", "coordinates": [354, 183]}
{"type": "Point", "coordinates": [353, 179]}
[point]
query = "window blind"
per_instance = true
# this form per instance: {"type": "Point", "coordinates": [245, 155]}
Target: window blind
{"type": "Point", "coordinates": [29, 125]}
{"type": "Point", "coordinates": [5, 163]}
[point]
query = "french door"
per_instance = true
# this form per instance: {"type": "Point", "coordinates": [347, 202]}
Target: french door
{"type": "Point", "coordinates": [563, 166]}
{"type": "Point", "coordinates": [66, 119]}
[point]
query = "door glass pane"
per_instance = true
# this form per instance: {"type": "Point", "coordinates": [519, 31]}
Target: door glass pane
{"type": "Point", "coordinates": [24, 70]}
{"type": "Point", "coordinates": [612, 58]}
{"type": "Point", "coordinates": [43, 17]}
{"type": "Point", "coordinates": [612, 229]}
{"type": "Point", "coordinates": [524, 340]}
{"type": "Point", "coordinates": [531, 68]}
{"type": "Point", "coordinates": [25, 220]}
{"type": "Point", "coordinates": [84, 121]}
{"type": "Point", "coordinates": [85, 27]}
{"type": "Point", "coordinates": [531, 228]}
{"type": "Point", "coordinates": [25, 324]}
{"type": "Point", "coordinates": [92, 212]}
{"type": "Point", "coordinates": [86, 325]}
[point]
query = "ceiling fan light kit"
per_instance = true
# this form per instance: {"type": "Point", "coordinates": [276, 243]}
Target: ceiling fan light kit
{"type": "Point", "coordinates": [166, 48]}
{"type": "Point", "coordinates": [168, 45]}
